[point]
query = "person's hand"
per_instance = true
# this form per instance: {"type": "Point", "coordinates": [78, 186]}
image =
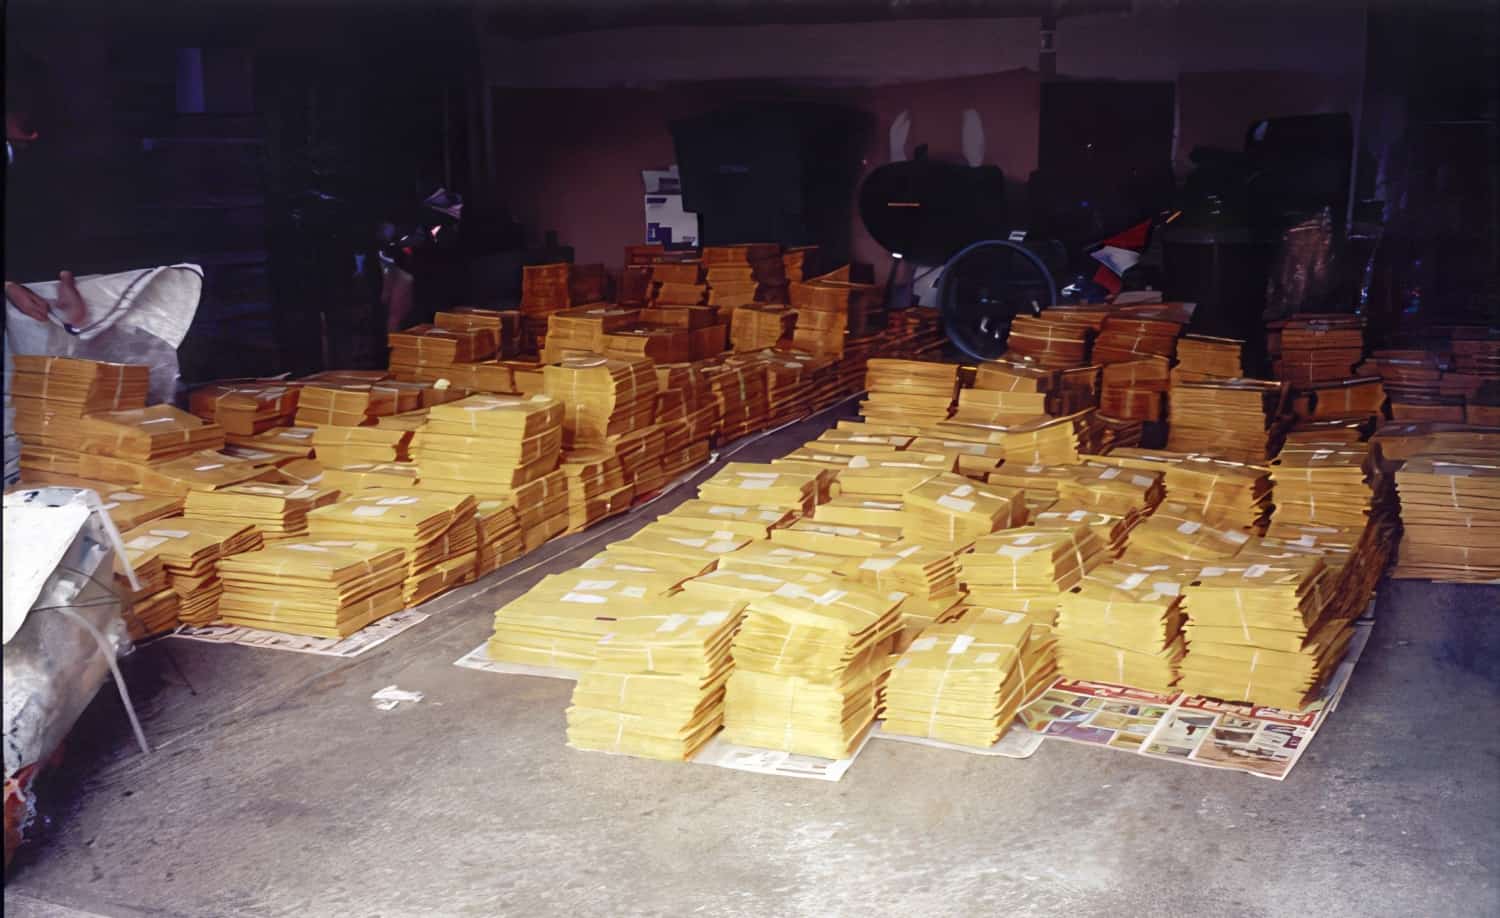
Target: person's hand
{"type": "Point", "coordinates": [70, 305]}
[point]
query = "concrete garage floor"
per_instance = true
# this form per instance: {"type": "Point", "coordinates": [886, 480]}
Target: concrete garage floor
{"type": "Point", "coordinates": [279, 790]}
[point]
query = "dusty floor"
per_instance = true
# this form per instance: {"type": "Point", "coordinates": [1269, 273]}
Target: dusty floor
{"type": "Point", "coordinates": [279, 790]}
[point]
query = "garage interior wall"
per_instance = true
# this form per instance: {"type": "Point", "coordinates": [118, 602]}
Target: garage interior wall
{"type": "Point", "coordinates": [577, 116]}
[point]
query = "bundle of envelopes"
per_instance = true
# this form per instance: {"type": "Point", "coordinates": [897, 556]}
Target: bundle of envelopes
{"type": "Point", "coordinates": [740, 394]}
{"type": "Point", "coordinates": [998, 406]}
{"type": "Point", "coordinates": [429, 345]}
{"type": "Point", "coordinates": [1111, 489]}
{"type": "Point", "coordinates": [1328, 484]}
{"type": "Point", "coordinates": [278, 511]}
{"type": "Point", "coordinates": [927, 574]}
{"type": "Point", "coordinates": [190, 550]}
{"type": "Point", "coordinates": [602, 397]}
{"type": "Point", "coordinates": [656, 688]}
{"type": "Point", "coordinates": [341, 446]}
{"type": "Point", "coordinates": [1135, 389]}
{"type": "Point", "coordinates": [434, 529]}
{"type": "Point", "coordinates": [361, 475]}
{"type": "Point", "coordinates": [806, 666]}
{"type": "Point", "coordinates": [707, 516]}
{"type": "Point", "coordinates": [1113, 531]}
{"type": "Point", "coordinates": [489, 445]}
{"type": "Point", "coordinates": [952, 510]}
{"type": "Point", "coordinates": [200, 471]}
{"type": "Point", "coordinates": [891, 473]}
{"type": "Point", "coordinates": [352, 404]}
{"type": "Point", "coordinates": [745, 484]}
{"type": "Point", "coordinates": [1316, 347]}
{"type": "Point", "coordinates": [1123, 624]}
{"type": "Point", "coordinates": [1177, 530]}
{"type": "Point", "coordinates": [908, 391]}
{"type": "Point", "coordinates": [1201, 358]}
{"type": "Point", "coordinates": [1258, 632]}
{"type": "Point", "coordinates": [245, 407]}
{"type": "Point", "coordinates": [153, 607]}
{"type": "Point", "coordinates": [755, 326]}
{"type": "Point", "coordinates": [152, 434]}
{"type": "Point", "coordinates": [318, 587]}
{"type": "Point", "coordinates": [281, 442]}
{"type": "Point", "coordinates": [963, 682]}
{"type": "Point", "coordinates": [50, 395]}
{"type": "Point", "coordinates": [559, 621]}
{"type": "Point", "coordinates": [1028, 562]}
{"type": "Point", "coordinates": [498, 532]}
{"type": "Point", "coordinates": [1450, 515]}
{"type": "Point", "coordinates": [597, 487]}
{"type": "Point", "coordinates": [1051, 343]}
{"type": "Point", "coordinates": [1238, 420]}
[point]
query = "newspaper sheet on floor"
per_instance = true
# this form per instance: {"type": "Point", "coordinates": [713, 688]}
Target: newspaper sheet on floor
{"type": "Point", "coordinates": [367, 638]}
{"type": "Point", "coordinates": [1017, 743]}
{"type": "Point", "coordinates": [1262, 741]}
{"type": "Point", "coordinates": [479, 659]}
{"type": "Point", "coordinates": [724, 754]}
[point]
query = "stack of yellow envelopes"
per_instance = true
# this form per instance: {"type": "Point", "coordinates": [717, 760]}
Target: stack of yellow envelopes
{"type": "Point", "coordinates": [927, 574]}
{"type": "Point", "coordinates": [1179, 531]}
{"type": "Point", "coordinates": [279, 511]}
{"type": "Point", "coordinates": [1123, 624]}
{"type": "Point", "coordinates": [1450, 513]}
{"type": "Point", "coordinates": [597, 488]}
{"type": "Point", "coordinates": [341, 446]}
{"type": "Point", "coordinates": [559, 621]}
{"type": "Point", "coordinates": [1260, 632]}
{"type": "Point", "coordinates": [361, 475]}
{"type": "Point", "coordinates": [498, 532]}
{"type": "Point", "coordinates": [246, 407]}
{"type": "Point", "coordinates": [602, 397]}
{"type": "Point", "coordinates": [49, 397]}
{"type": "Point", "coordinates": [1028, 562]}
{"type": "Point", "coordinates": [707, 516]}
{"type": "Point", "coordinates": [892, 473]}
{"type": "Point", "coordinates": [152, 434]}
{"type": "Point", "coordinates": [1112, 490]}
{"type": "Point", "coordinates": [656, 688]}
{"type": "Point", "coordinates": [806, 667]}
{"type": "Point", "coordinates": [434, 529]}
{"type": "Point", "coordinates": [963, 682]}
{"type": "Point", "coordinates": [908, 392]}
{"type": "Point", "coordinates": [318, 587]}
{"type": "Point", "coordinates": [1327, 484]}
{"type": "Point", "coordinates": [953, 510]}
{"type": "Point", "coordinates": [190, 550]}
{"type": "Point", "coordinates": [745, 484]}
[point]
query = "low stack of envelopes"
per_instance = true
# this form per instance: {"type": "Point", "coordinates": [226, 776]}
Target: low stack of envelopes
{"type": "Point", "coordinates": [279, 511]}
{"type": "Point", "coordinates": [434, 529]}
{"type": "Point", "coordinates": [963, 681]}
{"type": "Point", "coordinates": [317, 587]}
{"type": "Point", "coordinates": [1123, 624]}
{"type": "Point", "coordinates": [656, 688]}
{"type": "Point", "coordinates": [190, 550]}
{"type": "Point", "coordinates": [806, 666]}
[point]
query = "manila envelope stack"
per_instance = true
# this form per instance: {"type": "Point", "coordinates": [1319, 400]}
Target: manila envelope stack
{"type": "Point", "coordinates": [1027, 562]}
{"type": "Point", "coordinates": [246, 407]}
{"type": "Point", "coordinates": [498, 532]}
{"type": "Point", "coordinates": [434, 529]}
{"type": "Point", "coordinates": [323, 588]}
{"type": "Point", "coordinates": [1260, 632]}
{"type": "Point", "coordinates": [963, 682]}
{"type": "Point", "coordinates": [278, 511]}
{"type": "Point", "coordinates": [1238, 419]}
{"type": "Point", "coordinates": [560, 621]}
{"type": "Point", "coordinates": [656, 689]}
{"type": "Point", "coordinates": [1123, 624]}
{"type": "Point", "coordinates": [903, 392]}
{"type": "Point", "coordinates": [927, 574]}
{"type": "Point", "coordinates": [50, 396]}
{"type": "Point", "coordinates": [806, 666]}
{"type": "Point", "coordinates": [190, 550]}
{"type": "Point", "coordinates": [1450, 514]}
{"type": "Point", "coordinates": [602, 397]}
{"type": "Point", "coordinates": [952, 510]}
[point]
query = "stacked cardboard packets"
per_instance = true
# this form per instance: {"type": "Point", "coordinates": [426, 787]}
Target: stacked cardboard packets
{"type": "Point", "coordinates": [963, 681]}
{"type": "Point", "coordinates": [904, 392]}
{"type": "Point", "coordinates": [806, 667]}
{"type": "Point", "coordinates": [597, 488]}
{"type": "Point", "coordinates": [927, 574]}
{"type": "Point", "coordinates": [560, 620]}
{"type": "Point", "coordinates": [1450, 514]}
{"type": "Point", "coordinates": [1123, 624]}
{"type": "Point", "coordinates": [504, 447]}
{"type": "Point", "coordinates": [602, 397]}
{"type": "Point", "coordinates": [1028, 562]}
{"type": "Point", "coordinates": [317, 587]}
{"type": "Point", "coordinates": [951, 510]}
{"type": "Point", "coordinates": [1259, 632]}
{"type": "Point", "coordinates": [1239, 420]}
{"type": "Point", "coordinates": [656, 687]}
{"type": "Point", "coordinates": [51, 395]}
{"type": "Point", "coordinates": [435, 531]}
{"type": "Point", "coordinates": [190, 551]}
{"type": "Point", "coordinates": [278, 511]}
{"type": "Point", "coordinates": [246, 407]}
{"type": "Point", "coordinates": [497, 529]}
{"type": "Point", "coordinates": [1202, 358]}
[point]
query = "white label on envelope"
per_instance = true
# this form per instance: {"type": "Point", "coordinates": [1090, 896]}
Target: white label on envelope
{"type": "Point", "coordinates": [672, 623]}
{"type": "Point", "coordinates": [171, 533]}
{"type": "Point", "coordinates": [955, 503]}
{"type": "Point", "coordinates": [1257, 570]}
{"type": "Point", "coordinates": [397, 501]}
{"type": "Point", "coordinates": [591, 586]}
{"type": "Point", "coordinates": [924, 643]}
{"type": "Point", "coordinates": [1133, 581]}
{"type": "Point", "coordinates": [709, 619]}
{"type": "Point", "coordinates": [371, 511]}
{"type": "Point", "coordinates": [1189, 527]}
{"type": "Point", "coordinates": [124, 496]}
{"type": "Point", "coordinates": [961, 643]}
{"type": "Point", "coordinates": [877, 564]}
{"type": "Point", "coordinates": [208, 468]}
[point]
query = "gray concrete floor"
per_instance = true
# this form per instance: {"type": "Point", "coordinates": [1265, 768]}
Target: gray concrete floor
{"type": "Point", "coordinates": [278, 789]}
